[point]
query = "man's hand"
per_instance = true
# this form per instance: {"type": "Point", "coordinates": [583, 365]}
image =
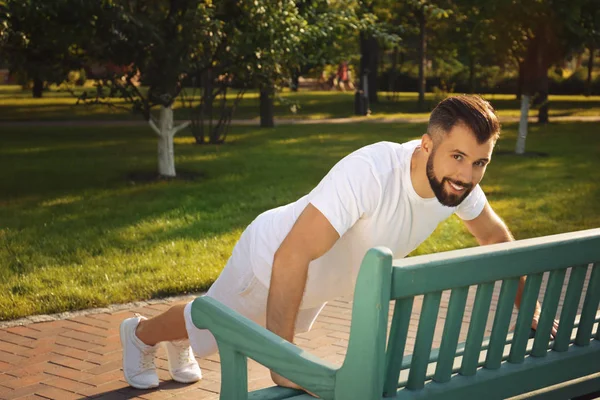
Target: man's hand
{"type": "Point", "coordinates": [536, 320]}
{"type": "Point", "coordinates": [281, 381]}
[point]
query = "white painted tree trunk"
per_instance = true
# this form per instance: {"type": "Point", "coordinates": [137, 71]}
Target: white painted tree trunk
{"type": "Point", "coordinates": [520, 148]}
{"type": "Point", "coordinates": [166, 132]}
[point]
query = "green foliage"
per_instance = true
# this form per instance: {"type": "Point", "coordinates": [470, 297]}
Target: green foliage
{"type": "Point", "coordinates": [35, 38]}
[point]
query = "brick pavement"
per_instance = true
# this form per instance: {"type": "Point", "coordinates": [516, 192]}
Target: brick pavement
{"type": "Point", "coordinates": [80, 357]}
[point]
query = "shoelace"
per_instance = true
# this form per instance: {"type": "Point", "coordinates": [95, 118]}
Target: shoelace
{"type": "Point", "coordinates": [147, 361]}
{"type": "Point", "coordinates": [184, 356]}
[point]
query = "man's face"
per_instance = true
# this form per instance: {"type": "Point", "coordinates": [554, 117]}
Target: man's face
{"type": "Point", "coordinates": [456, 164]}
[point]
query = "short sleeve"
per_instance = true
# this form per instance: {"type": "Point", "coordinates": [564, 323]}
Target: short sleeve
{"type": "Point", "coordinates": [348, 192]}
{"type": "Point", "coordinates": [472, 206]}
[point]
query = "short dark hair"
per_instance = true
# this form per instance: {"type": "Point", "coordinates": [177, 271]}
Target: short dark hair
{"type": "Point", "coordinates": [470, 110]}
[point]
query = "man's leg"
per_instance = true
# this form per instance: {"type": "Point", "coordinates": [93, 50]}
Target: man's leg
{"type": "Point", "coordinates": [236, 287]}
{"type": "Point", "coordinates": [166, 327]}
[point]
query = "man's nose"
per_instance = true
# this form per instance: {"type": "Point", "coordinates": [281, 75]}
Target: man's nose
{"type": "Point", "coordinates": [466, 174]}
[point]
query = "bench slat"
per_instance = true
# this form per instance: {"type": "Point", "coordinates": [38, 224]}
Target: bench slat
{"type": "Point", "coordinates": [549, 307]}
{"type": "Point", "coordinates": [512, 379]}
{"type": "Point", "coordinates": [426, 330]}
{"type": "Point", "coordinates": [396, 344]}
{"type": "Point", "coordinates": [500, 328]}
{"type": "Point", "coordinates": [526, 311]}
{"type": "Point", "coordinates": [590, 307]}
{"type": "Point", "coordinates": [479, 316]}
{"type": "Point", "coordinates": [412, 276]}
{"type": "Point", "coordinates": [234, 375]}
{"type": "Point", "coordinates": [569, 309]}
{"type": "Point", "coordinates": [454, 316]}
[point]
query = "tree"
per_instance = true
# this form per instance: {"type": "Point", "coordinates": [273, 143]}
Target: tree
{"type": "Point", "coordinates": [213, 46]}
{"type": "Point", "coordinates": [35, 43]}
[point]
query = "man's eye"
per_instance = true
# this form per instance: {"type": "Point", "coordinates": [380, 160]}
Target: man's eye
{"type": "Point", "coordinates": [457, 157]}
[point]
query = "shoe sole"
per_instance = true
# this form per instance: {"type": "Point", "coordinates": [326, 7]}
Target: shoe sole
{"type": "Point", "coordinates": [164, 345]}
{"type": "Point", "coordinates": [121, 336]}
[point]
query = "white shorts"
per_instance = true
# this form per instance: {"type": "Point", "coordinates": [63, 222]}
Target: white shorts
{"type": "Point", "coordinates": [238, 288]}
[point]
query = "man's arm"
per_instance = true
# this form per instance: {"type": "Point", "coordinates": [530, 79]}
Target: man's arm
{"type": "Point", "coordinates": [488, 228]}
{"type": "Point", "coordinates": [311, 236]}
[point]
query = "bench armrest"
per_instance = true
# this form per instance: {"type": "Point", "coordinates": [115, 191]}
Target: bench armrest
{"type": "Point", "coordinates": [243, 338]}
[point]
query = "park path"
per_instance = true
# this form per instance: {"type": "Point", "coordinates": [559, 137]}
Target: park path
{"type": "Point", "coordinates": [283, 121]}
{"type": "Point", "coordinates": [78, 355]}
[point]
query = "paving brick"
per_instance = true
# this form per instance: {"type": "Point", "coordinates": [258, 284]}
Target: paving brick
{"type": "Point", "coordinates": [75, 344]}
{"type": "Point", "coordinates": [4, 366]}
{"type": "Point", "coordinates": [72, 363]}
{"type": "Point", "coordinates": [54, 393]}
{"type": "Point", "coordinates": [83, 336]}
{"type": "Point", "coordinates": [32, 397]}
{"type": "Point", "coordinates": [108, 367]}
{"type": "Point", "coordinates": [98, 380]}
{"type": "Point", "coordinates": [17, 339]}
{"type": "Point", "coordinates": [89, 320]}
{"type": "Point", "coordinates": [11, 358]}
{"type": "Point", "coordinates": [77, 327]}
{"type": "Point", "coordinates": [23, 391]}
{"type": "Point", "coordinates": [17, 383]}
{"type": "Point", "coordinates": [67, 384]}
{"type": "Point", "coordinates": [69, 373]}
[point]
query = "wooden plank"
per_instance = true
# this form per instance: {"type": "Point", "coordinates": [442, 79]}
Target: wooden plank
{"type": "Point", "coordinates": [481, 309]}
{"type": "Point", "coordinates": [426, 329]}
{"type": "Point", "coordinates": [500, 328]}
{"type": "Point", "coordinates": [590, 308]}
{"type": "Point", "coordinates": [526, 311]}
{"type": "Point", "coordinates": [549, 307]}
{"type": "Point", "coordinates": [234, 373]}
{"type": "Point", "coordinates": [452, 326]}
{"type": "Point", "coordinates": [443, 271]}
{"type": "Point", "coordinates": [566, 390]}
{"type": "Point", "coordinates": [263, 346]}
{"type": "Point", "coordinates": [513, 379]}
{"type": "Point", "coordinates": [569, 309]}
{"type": "Point", "coordinates": [396, 344]}
{"type": "Point", "coordinates": [362, 374]}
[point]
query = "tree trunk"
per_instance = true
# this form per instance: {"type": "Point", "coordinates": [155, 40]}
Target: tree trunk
{"type": "Point", "coordinates": [520, 148]}
{"type": "Point", "coordinates": [166, 155]}
{"type": "Point", "coordinates": [369, 54]}
{"type": "Point", "coordinates": [295, 80]}
{"type": "Point", "coordinates": [422, 58]}
{"type": "Point", "coordinates": [520, 80]}
{"type": "Point", "coordinates": [543, 99]}
{"type": "Point", "coordinates": [588, 83]}
{"type": "Point", "coordinates": [38, 88]}
{"type": "Point", "coordinates": [266, 107]}
{"type": "Point", "coordinates": [393, 75]}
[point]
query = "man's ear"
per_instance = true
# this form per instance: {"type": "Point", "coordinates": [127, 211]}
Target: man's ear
{"type": "Point", "coordinates": [427, 143]}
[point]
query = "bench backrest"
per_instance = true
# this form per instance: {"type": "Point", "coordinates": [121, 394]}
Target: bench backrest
{"type": "Point", "coordinates": [378, 357]}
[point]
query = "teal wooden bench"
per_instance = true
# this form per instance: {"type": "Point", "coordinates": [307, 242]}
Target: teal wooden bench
{"type": "Point", "coordinates": [500, 366]}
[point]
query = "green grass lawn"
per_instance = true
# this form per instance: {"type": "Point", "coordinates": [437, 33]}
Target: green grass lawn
{"type": "Point", "coordinates": [76, 232]}
{"type": "Point", "coordinates": [16, 105]}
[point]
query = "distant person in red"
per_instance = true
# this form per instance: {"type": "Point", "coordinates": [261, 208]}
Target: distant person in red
{"type": "Point", "coordinates": [343, 76]}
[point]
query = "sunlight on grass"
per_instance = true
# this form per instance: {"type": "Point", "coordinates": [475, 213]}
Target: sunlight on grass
{"type": "Point", "coordinates": [56, 105]}
{"type": "Point", "coordinates": [77, 232]}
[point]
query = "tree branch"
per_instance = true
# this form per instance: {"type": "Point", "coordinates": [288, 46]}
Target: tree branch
{"type": "Point", "coordinates": [180, 127]}
{"type": "Point", "coordinates": [153, 126]}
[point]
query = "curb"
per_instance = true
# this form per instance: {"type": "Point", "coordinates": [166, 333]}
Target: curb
{"type": "Point", "coordinates": [109, 309]}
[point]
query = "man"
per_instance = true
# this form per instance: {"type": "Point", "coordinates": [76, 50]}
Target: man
{"type": "Point", "coordinates": [293, 259]}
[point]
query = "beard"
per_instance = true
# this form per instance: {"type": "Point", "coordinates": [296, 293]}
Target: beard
{"type": "Point", "coordinates": [444, 197]}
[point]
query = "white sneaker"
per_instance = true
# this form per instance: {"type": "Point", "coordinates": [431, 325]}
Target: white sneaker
{"type": "Point", "coordinates": [138, 357]}
{"type": "Point", "coordinates": [183, 366]}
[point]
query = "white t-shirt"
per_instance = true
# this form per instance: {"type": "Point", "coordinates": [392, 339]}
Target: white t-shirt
{"type": "Point", "coordinates": [369, 199]}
